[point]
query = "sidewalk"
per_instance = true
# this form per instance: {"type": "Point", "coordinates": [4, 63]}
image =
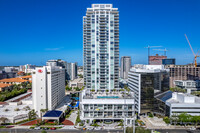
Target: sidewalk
{"type": "Point", "coordinates": [150, 124]}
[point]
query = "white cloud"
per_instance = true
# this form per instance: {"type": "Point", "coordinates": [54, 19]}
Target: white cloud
{"type": "Point", "coordinates": [53, 49]}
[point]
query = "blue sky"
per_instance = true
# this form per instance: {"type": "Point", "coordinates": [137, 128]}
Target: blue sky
{"type": "Point", "coordinates": [33, 31]}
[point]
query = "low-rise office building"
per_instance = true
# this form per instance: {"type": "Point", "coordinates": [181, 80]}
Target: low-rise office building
{"type": "Point", "coordinates": [183, 103]}
{"type": "Point", "coordinates": [77, 83]}
{"type": "Point", "coordinates": [16, 109]}
{"type": "Point", "coordinates": [193, 85]}
{"type": "Point", "coordinates": [106, 106]}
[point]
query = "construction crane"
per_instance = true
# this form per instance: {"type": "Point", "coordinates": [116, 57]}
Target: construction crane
{"type": "Point", "coordinates": [149, 50]}
{"type": "Point", "coordinates": [195, 55]}
{"type": "Point", "coordinates": [165, 50]}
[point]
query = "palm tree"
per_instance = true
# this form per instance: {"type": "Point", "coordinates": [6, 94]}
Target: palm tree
{"type": "Point", "coordinates": [42, 111]}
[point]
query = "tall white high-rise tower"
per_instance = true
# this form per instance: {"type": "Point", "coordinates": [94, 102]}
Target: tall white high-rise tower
{"type": "Point", "coordinates": [101, 47]}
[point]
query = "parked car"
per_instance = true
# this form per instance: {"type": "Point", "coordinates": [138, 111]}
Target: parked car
{"type": "Point", "coordinates": [97, 128]}
{"type": "Point", "coordinates": [192, 128]}
{"type": "Point", "coordinates": [37, 128]}
{"type": "Point", "coordinates": [53, 128]}
{"type": "Point", "coordinates": [90, 128]}
{"type": "Point", "coordinates": [46, 128]}
{"type": "Point", "coordinates": [9, 126]}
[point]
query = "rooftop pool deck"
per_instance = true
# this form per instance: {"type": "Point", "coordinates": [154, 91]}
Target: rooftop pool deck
{"type": "Point", "coordinates": [118, 95]}
{"type": "Point", "coordinates": [112, 97]}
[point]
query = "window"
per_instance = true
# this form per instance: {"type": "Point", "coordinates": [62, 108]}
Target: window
{"type": "Point", "coordinates": [93, 45]}
{"type": "Point", "coordinates": [102, 6]}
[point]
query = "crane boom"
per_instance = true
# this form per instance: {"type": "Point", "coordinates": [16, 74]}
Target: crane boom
{"type": "Point", "coordinates": [190, 45]}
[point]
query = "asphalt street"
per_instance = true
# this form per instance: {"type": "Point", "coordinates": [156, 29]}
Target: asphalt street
{"type": "Point", "coordinates": [56, 131]}
{"type": "Point", "coordinates": [177, 131]}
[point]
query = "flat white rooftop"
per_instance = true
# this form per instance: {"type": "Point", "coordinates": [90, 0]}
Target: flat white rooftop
{"type": "Point", "coordinates": [148, 68]}
{"type": "Point", "coordinates": [183, 98]}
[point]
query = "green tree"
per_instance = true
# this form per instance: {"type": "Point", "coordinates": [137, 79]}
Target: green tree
{"type": "Point", "coordinates": [15, 87]}
{"type": "Point", "coordinates": [68, 88]}
{"type": "Point", "coordinates": [80, 75]}
{"type": "Point", "coordinates": [126, 88]}
{"type": "Point", "coordinates": [184, 118]}
{"type": "Point", "coordinates": [43, 131]}
{"type": "Point", "coordinates": [77, 89]}
{"type": "Point", "coordinates": [92, 90]}
{"type": "Point", "coordinates": [177, 89]}
{"type": "Point", "coordinates": [29, 86]}
{"type": "Point", "coordinates": [78, 118]}
{"type": "Point", "coordinates": [32, 114]}
{"type": "Point", "coordinates": [150, 115]}
{"type": "Point", "coordinates": [166, 120]}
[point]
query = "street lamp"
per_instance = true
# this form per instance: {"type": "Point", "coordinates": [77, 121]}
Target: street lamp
{"type": "Point", "coordinates": [124, 116]}
{"type": "Point", "coordinates": [134, 117]}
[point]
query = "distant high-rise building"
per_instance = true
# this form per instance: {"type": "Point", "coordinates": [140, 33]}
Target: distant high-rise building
{"type": "Point", "coordinates": [183, 72]}
{"type": "Point", "coordinates": [101, 47]}
{"type": "Point", "coordinates": [59, 63]}
{"type": "Point", "coordinates": [72, 70]}
{"type": "Point", "coordinates": [156, 60]}
{"type": "Point", "coordinates": [28, 68]}
{"type": "Point", "coordinates": [48, 86]}
{"type": "Point", "coordinates": [169, 61]}
{"type": "Point", "coordinates": [125, 66]}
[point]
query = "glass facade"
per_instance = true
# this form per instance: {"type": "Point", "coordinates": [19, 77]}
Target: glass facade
{"type": "Point", "coordinates": [151, 85]}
